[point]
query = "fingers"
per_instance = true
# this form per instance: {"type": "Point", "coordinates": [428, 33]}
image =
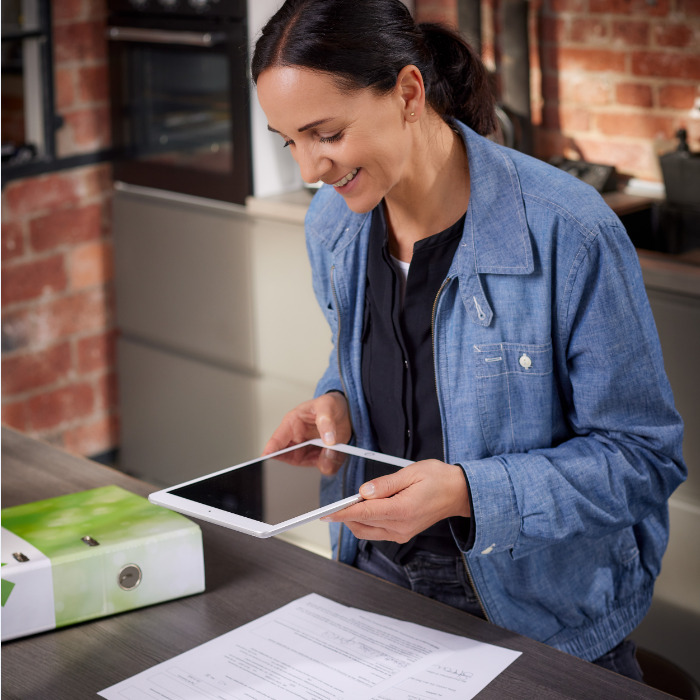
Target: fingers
{"type": "Point", "coordinates": [400, 505]}
{"type": "Point", "coordinates": [332, 418]}
{"type": "Point", "coordinates": [377, 520]}
{"type": "Point", "coordinates": [326, 417]}
{"type": "Point", "coordinates": [387, 486]}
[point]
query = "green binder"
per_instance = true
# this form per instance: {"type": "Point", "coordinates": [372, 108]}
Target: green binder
{"type": "Point", "coordinates": [90, 554]}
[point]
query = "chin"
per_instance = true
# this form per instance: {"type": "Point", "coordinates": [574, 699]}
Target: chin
{"type": "Point", "coordinates": [361, 205]}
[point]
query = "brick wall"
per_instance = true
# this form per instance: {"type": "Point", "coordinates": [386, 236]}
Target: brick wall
{"type": "Point", "coordinates": [612, 80]}
{"type": "Point", "coordinates": [58, 333]}
{"type": "Point", "coordinates": [444, 11]}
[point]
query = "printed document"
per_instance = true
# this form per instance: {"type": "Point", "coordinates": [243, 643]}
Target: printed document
{"type": "Point", "coordinates": [316, 649]}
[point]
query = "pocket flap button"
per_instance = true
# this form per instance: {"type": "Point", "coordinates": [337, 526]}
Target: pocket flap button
{"type": "Point", "coordinates": [525, 361]}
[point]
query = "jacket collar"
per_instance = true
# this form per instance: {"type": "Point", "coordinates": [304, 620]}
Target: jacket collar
{"type": "Point", "coordinates": [496, 228]}
{"type": "Point", "coordinates": [496, 239]}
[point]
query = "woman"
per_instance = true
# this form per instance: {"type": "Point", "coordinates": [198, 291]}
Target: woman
{"type": "Point", "coordinates": [489, 321]}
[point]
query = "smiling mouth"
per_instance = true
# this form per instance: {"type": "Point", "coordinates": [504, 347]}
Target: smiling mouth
{"type": "Point", "coordinates": [344, 181]}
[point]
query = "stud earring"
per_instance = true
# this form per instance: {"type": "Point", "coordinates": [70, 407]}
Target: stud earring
{"type": "Point", "coordinates": [413, 114]}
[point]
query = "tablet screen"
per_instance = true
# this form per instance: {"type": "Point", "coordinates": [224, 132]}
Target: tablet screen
{"type": "Point", "coordinates": [272, 490]}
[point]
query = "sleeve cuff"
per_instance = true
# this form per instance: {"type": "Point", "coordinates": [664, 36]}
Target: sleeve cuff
{"type": "Point", "coordinates": [495, 519]}
{"type": "Point", "coordinates": [464, 529]}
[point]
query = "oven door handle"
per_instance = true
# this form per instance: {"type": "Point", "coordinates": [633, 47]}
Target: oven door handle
{"type": "Point", "coordinates": [163, 36]}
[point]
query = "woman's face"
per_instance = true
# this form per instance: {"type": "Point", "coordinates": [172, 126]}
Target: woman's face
{"type": "Point", "coordinates": [357, 141]}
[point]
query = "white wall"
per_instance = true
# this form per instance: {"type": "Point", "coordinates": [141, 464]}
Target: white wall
{"type": "Point", "coordinates": [274, 169]}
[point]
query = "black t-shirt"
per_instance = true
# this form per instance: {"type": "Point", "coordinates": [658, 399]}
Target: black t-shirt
{"type": "Point", "coordinates": [398, 373]}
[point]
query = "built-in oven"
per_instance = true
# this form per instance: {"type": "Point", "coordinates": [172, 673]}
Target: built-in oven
{"type": "Point", "coordinates": [180, 96]}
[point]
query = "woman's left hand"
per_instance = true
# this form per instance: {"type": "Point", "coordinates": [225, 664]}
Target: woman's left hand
{"type": "Point", "coordinates": [399, 506]}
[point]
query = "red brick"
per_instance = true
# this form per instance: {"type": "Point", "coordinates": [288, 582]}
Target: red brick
{"type": "Point", "coordinates": [72, 11]}
{"type": "Point", "coordinates": [588, 30]}
{"type": "Point", "coordinates": [67, 227]}
{"type": "Point", "coordinates": [65, 79]}
{"type": "Point", "coordinates": [93, 438]}
{"type": "Point", "coordinates": [85, 130]}
{"type": "Point", "coordinates": [566, 118]}
{"type": "Point", "coordinates": [87, 311]}
{"type": "Point", "coordinates": [678, 96]}
{"type": "Point", "coordinates": [62, 405]}
{"type": "Point", "coordinates": [444, 11]}
{"type": "Point", "coordinates": [659, 64]}
{"type": "Point", "coordinates": [660, 8]}
{"type": "Point", "coordinates": [48, 193]}
{"type": "Point", "coordinates": [12, 241]}
{"type": "Point", "coordinates": [14, 414]}
{"type": "Point", "coordinates": [631, 33]}
{"type": "Point", "coordinates": [634, 95]}
{"type": "Point", "coordinates": [568, 5]}
{"type": "Point", "coordinates": [69, 11]}
{"type": "Point", "coordinates": [689, 7]}
{"type": "Point", "coordinates": [629, 157]}
{"type": "Point", "coordinates": [673, 35]}
{"type": "Point", "coordinates": [90, 264]}
{"type": "Point", "coordinates": [107, 392]}
{"type": "Point", "coordinates": [30, 280]}
{"type": "Point", "coordinates": [18, 328]}
{"type": "Point", "coordinates": [584, 89]}
{"type": "Point", "coordinates": [94, 83]}
{"type": "Point", "coordinates": [636, 125]}
{"type": "Point", "coordinates": [37, 194]}
{"type": "Point", "coordinates": [49, 322]}
{"type": "Point", "coordinates": [33, 371]}
{"type": "Point", "coordinates": [99, 178]}
{"type": "Point", "coordinates": [587, 59]}
{"type": "Point", "coordinates": [80, 41]}
{"type": "Point", "coordinates": [97, 352]}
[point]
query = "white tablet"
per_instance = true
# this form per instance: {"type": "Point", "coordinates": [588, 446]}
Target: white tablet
{"type": "Point", "coordinates": [270, 494]}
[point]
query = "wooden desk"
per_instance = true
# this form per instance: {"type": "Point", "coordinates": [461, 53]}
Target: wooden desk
{"type": "Point", "coordinates": [246, 578]}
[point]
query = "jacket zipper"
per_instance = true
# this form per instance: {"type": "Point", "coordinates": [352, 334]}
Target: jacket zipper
{"type": "Point", "coordinates": [342, 381]}
{"type": "Point", "coordinates": [432, 340]}
{"type": "Point", "coordinates": [444, 456]}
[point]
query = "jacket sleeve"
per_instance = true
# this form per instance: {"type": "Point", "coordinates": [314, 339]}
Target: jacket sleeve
{"type": "Point", "coordinates": [622, 458]}
{"type": "Point", "coordinates": [321, 276]}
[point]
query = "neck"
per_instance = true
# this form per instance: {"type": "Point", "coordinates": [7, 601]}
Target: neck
{"type": "Point", "coordinates": [435, 191]}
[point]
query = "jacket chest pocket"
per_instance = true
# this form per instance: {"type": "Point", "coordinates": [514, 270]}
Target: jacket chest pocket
{"type": "Point", "coordinates": [514, 391]}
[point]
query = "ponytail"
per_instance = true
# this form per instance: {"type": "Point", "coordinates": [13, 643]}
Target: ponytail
{"type": "Point", "coordinates": [366, 43]}
{"type": "Point", "coordinates": [458, 85]}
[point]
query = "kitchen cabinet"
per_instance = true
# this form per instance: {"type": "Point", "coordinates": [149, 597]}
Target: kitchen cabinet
{"type": "Point", "coordinates": [672, 626]}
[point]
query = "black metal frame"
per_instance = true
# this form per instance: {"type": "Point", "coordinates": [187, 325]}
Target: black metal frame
{"type": "Point", "coordinates": [47, 161]}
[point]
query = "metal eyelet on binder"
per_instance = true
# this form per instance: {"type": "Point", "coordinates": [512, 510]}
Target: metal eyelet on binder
{"type": "Point", "coordinates": [129, 577]}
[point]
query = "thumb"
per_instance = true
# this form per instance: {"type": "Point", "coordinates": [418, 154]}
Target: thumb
{"type": "Point", "coordinates": [383, 486]}
{"type": "Point", "coordinates": [326, 429]}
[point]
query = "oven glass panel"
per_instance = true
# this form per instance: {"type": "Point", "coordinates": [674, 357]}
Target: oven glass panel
{"type": "Point", "coordinates": [180, 111]}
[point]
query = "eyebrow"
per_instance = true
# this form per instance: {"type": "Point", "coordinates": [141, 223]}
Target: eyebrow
{"type": "Point", "coordinates": [306, 127]}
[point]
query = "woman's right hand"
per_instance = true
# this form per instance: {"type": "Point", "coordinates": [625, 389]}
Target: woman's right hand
{"type": "Point", "coordinates": [326, 417]}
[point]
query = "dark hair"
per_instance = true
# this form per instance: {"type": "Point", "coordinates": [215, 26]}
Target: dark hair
{"type": "Point", "coordinates": [366, 43]}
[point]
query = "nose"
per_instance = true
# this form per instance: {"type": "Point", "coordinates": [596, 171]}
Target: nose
{"type": "Point", "coordinates": [312, 166]}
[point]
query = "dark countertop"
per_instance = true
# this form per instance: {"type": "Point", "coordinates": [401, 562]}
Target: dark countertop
{"type": "Point", "coordinates": [246, 578]}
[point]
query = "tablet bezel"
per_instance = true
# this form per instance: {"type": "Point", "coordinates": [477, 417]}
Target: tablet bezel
{"type": "Point", "coordinates": [257, 528]}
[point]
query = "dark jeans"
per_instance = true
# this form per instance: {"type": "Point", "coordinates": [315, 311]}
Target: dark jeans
{"type": "Point", "coordinates": [445, 578]}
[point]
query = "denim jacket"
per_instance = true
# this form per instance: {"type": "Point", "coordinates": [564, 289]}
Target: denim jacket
{"type": "Point", "coordinates": [552, 393]}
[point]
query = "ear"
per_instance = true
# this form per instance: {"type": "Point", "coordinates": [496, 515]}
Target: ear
{"type": "Point", "coordinates": [411, 91]}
